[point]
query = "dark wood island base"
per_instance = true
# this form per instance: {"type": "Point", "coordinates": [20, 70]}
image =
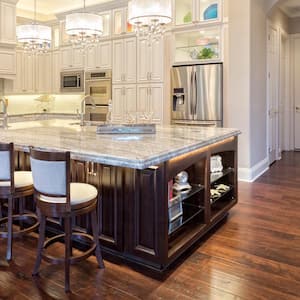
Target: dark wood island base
{"type": "Point", "coordinates": [134, 206]}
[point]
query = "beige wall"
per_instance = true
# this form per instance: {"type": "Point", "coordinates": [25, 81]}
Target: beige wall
{"type": "Point", "coordinates": [237, 73]}
{"type": "Point", "coordinates": [294, 25]}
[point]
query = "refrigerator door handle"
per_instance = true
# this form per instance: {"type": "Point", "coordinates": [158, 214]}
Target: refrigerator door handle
{"type": "Point", "coordinates": [192, 93]}
{"type": "Point", "coordinates": [196, 94]}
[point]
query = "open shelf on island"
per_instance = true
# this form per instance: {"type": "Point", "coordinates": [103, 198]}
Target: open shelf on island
{"type": "Point", "coordinates": [196, 188]}
{"type": "Point", "coordinates": [223, 195]}
{"type": "Point", "coordinates": [189, 212]}
{"type": "Point", "coordinates": [218, 175]}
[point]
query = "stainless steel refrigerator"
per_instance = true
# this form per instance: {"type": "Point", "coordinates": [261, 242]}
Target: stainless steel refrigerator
{"type": "Point", "coordinates": [197, 95]}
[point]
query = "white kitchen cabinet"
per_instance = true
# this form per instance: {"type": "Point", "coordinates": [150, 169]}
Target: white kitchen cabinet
{"type": "Point", "coordinates": [56, 68]}
{"type": "Point", "coordinates": [99, 56]}
{"type": "Point", "coordinates": [7, 22]}
{"type": "Point", "coordinates": [120, 24]}
{"type": "Point", "coordinates": [7, 63]}
{"type": "Point", "coordinates": [124, 60]}
{"type": "Point", "coordinates": [123, 102]}
{"type": "Point", "coordinates": [28, 73]}
{"type": "Point", "coordinates": [196, 11]}
{"type": "Point", "coordinates": [43, 73]}
{"type": "Point", "coordinates": [72, 58]}
{"type": "Point", "coordinates": [150, 61]}
{"type": "Point", "coordinates": [106, 18]}
{"type": "Point", "coordinates": [150, 102]}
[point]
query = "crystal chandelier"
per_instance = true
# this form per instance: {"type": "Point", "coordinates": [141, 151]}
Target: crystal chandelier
{"type": "Point", "coordinates": [84, 28]}
{"type": "Point", "coordinates": [34, 37]}
{"type": "Point", "coordinates": [149, 17]}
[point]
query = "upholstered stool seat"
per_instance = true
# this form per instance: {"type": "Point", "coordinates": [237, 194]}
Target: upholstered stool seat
{"type": "Point", "coordinates": [22, 179]}
{"type": "Point", "coordinates": [14, 185]}
{"type": "Point", "coordinates": [80, 194]}
{"type": "Point", "coordinates": [57, 197]}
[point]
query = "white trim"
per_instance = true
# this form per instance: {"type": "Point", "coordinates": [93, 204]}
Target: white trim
{"type": "Point", "coordinates": [251, 174]}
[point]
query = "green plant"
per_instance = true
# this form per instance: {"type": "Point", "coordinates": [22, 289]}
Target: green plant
{"type": "Point", "coordinates": [206, 53]}
{"type": "Point", "coordinates": [187, 18]}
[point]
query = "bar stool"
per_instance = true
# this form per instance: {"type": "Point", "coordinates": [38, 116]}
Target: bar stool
{"type": "Point", "coordinates": [14, 185]}
{"type": "Point", "coordinates": [57, 197]}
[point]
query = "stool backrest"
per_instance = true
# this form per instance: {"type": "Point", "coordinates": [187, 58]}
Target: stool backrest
{"type": "Point", "coordinates": [51, 175]}
{"type": "Point", "coordinates": [6, 168]}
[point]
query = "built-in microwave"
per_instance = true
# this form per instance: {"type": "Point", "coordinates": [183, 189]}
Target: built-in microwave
{"type": "Point", "coordinates": [72, 81]}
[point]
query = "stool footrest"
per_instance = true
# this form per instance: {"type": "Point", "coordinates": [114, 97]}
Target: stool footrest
{"type": "Point", "coordinates": [73, 259]}
{"type": "Point", "coordinates": [20, 232]}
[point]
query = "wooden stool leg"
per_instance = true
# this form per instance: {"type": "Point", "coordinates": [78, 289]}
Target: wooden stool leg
{"type": "Point", "coordinates": [68, 235]}
{"type": "Point", "coordinates": [96, 239]}
{"type": "Point", "coordinates": [9, 228]}
{"type": "Point", "coordinates": [21, 210]}
{"type": "Point", "coordinates": [41, 241]}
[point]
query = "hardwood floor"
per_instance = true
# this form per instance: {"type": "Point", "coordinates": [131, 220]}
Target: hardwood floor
{"type": "Point", "coordinates": [254, 255]}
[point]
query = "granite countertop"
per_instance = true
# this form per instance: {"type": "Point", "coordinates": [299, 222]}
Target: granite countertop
{"type": "Point", "coordinates": [127, 150]}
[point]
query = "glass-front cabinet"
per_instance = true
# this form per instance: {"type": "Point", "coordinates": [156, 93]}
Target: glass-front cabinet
{"type": "Point", "coordinates": [195, 11]}
{"type": "Point", "coordinates": [120, 23]}
{"type": "Point", "coordinates": [199, 45]}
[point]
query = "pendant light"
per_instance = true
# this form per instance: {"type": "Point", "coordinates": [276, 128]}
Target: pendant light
{"type": "Point", "coordinates": [149, 17]}
{"type": "Point", "coordinates": [84, 28]}
{"type": "Point", "coordinates": [34, 37]}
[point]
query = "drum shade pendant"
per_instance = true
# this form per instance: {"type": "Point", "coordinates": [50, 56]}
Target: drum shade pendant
{"type": "Point", "coordinates": [34, 37]}
{"type": "Point", "coordinates": [149, 17]}
{"type": "Point", "coordinates": [84, 28]}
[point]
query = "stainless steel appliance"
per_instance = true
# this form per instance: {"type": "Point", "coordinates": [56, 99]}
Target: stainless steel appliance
{"type": "Point", "coordinates": [72, 81]}
{"type": "Point", "coordinates": [197, 95]}
{"type": "Point", "coordinates": [98, 85]}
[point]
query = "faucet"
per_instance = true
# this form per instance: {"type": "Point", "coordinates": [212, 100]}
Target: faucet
{"type": "Point", "coordinates": [4, 112]}
{"type": "Point", "coordinates": [82, 110]}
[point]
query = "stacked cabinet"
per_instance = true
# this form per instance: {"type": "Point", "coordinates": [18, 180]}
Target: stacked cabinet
{"type": "Point", "coordinates": [124, 78]}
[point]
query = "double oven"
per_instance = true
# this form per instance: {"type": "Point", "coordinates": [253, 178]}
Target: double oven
{"type": "Point", "coordinates": [98, 85]}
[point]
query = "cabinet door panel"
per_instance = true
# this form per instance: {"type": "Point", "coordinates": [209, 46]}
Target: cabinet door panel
{"type": "Point", "coordinates": [142, 101]}
{"type": "Point", "coordinates": [78, 58]}
{"type": "Point", "coordinates": [118, 103]}
{"type": "Point", "coordinates": [130, 60]}
{"type": "Point", "coordinates": [29, 73]}
{"type": "Point", "coordinates": [66, 58]}
{"type": "Point", "coordinates": [143, 57]}
{"type": "Point", "coordinates": [130, 99]}
{"type": "Point", "coordinates": [8, 22]}
{"type": "Point", "coordinates": [91, 55]}
{"type": "Point", "coordinates": [56, 67]}
{"type": "Point", "coordinates": [43, 73]}
{"type": "Point", "coordinates": [118, 61]}
{"type": "Point", "coordinates": [156, 103]}
{"type": "Point", "coordinates": [104, 55]}
{"type": "Point", "coordinates": [157, 61]}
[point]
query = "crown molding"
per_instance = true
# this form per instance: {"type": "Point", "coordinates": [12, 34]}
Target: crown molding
{"type": "Point", "coordinates": [96, 8]}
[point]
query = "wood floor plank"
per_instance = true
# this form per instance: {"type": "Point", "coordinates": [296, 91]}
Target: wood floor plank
{"type": "Point", "coordinates": [254, 255]}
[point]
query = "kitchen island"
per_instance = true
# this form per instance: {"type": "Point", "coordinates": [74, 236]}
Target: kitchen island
{"type": "Point", "coordinates": [135, 175]}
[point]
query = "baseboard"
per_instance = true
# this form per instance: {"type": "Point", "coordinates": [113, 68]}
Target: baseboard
{"type": "Point", "coordinates": [251, 174]}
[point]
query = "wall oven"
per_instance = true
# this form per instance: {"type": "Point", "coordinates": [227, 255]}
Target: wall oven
{"type": "Point", "coordinates": [72, 81]}
{"type": "Point", "coordinates": [98, 85]}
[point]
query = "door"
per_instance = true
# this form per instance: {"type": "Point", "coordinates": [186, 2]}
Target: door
{"type": "Point", "coordinates": [208, 93]}
{"type": "Point", "coordinates": [118, 103]}
{"type": "Point", "coordinates": [56, 65]}
{"type": "Point", "coordinates": [129, 61]}
{"type": "Point", "coordinates": [156, 103]}
{"type": "Point", "coordinates": [297, 92]}
{"type": "Point", "coordinates": [118, 61]}
{"type": "Point", "coordinates": [130, 99]}
{"type": "Point", "coordinates": [182, 93]}
{"type": "Point", "coordinates": [157, 61]}
{"type": "Point", "coordinates": [272, 89]}
{"type": "Point", "coordinates": [104, 55]}
{"type": "Point", "coordinates": [143, 57]}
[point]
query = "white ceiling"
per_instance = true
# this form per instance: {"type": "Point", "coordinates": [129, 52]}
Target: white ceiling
{"type": "Point", "coordinates": [290, 7]}
{"type": "Point", "coordinates": [47, 9]}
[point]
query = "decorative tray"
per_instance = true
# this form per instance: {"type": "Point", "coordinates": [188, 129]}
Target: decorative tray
{"type": "Point", "coordinates": [126, 128]}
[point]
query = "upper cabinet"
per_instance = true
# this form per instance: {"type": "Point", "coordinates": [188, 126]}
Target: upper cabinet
{"type": "Point", "coordinates": [99, 57]}
{"type": "Point", "coordinates": [195, 11]}
{"type": "Point", "coordinates": [124, 60]}
{"type": "Point", "coordinates": [72, 58]}
{"type": "Point", "coordinates": [120, 24]}
{"type": "Point", "coordinates": [198, 45]}
{"type": "Point", "coordinates": [106, 18]}
{"type": "Point", "coordinates": [150, 60]}
{"type": "Point", "coordinates": [7, 23]}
